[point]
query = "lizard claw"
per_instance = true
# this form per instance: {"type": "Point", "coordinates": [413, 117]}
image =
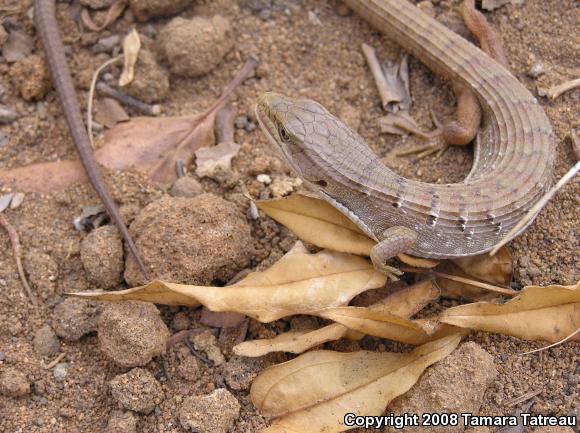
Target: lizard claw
{"type": "Point", "coordinates": [435, 139]}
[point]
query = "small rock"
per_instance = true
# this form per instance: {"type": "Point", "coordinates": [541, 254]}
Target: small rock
{"type": "Point", "coordinates": [264, 178]}
{"type": "Point", "coordinates": [147, 9]}
{"type": "Point", "coordinates": [151, 82]}
{"type": "Point", "coordinates": [18, 46]}
{"type": "Point", "coordinates": [207, 342]}
{"type": "Point", "coordinates": [13, 383]}
{"type": "Point", "coordinates": [180, 322]}
{"type": "Point", "coordinates": [195, 240]}
{"type": "Point", "coordinates": [60, 371]}
{"type": "Point", "coordinates": [132, 333]}
{"type": "Point", "coordinates": [46, 342]}
{"type": "Point", "coordinates": [42, 271]}
{"type": "Point", "coordinates": [7, 114]}
{"type": "Point", "coordinates": [284, 185]}
{"type": "Point", "coordinates": [106, 45]}
{"type": "Point", "coordinates": [121, 422]}
{"type": "Point", "coordinates": [4, 139]}
{"type": "Point", "coordinates": [137, 390]}
{"type": "Point", "coordinates": [74, 318]}
{"type": "Point", "coordinates": [186, 186]}
{"type": "Point", "coordinates": [194, 47]}
{"type": "Point", "coordinates": [536, 70]}
{"type": "Point", "coordinates": [31, 77]}
{"type": "Point", "coordinates": [102, 257]}
{"type": "Point", "coordinates": [188, 368]}
{"type": "Point", "coordinates": [239, 372]}
{"type": "Point", "coordinates": [214, 413]}
{"type": "Point", "coordinates": [454, 385]}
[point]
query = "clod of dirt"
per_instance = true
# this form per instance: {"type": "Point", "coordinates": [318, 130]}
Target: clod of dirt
{"type": "Point", "coordinates": [151, 82]}
{"type": "Point", "coordinates": [137, 390]}
{"type": "Point", "coordinates": [121, 422]}
{"type": "Point", "coordinates": [194, 47]}
{"type": "Point", "coordinates": [190, 240]}
{"type": "Point", "coordinates": [30, 76]}
{"type": "Point", "coordinates": [146, 9]}
{"type": "Point", "coordinates": [102, 257]}
{"type": "Point", "coordinates": [186, 186]}
{"type": "Point", "coordinates": [46, 342]}
{"type": "Point", "coordinates": [14, 383]}
{"type": "Point", "coordinates": [74, 318]}
{"type": "Point", "coordinates": [207, 343]}
{"type": "Point", "coordinates": [42, 272]}
{"type": "Point", "coordinates": [454, 385]}
{"type": "Point", "coordinates": [131, 333]}
{"type": "Point", "coordinates": [213, 413]}
{"type": "Point", "coordinates": [187, 365]}
{"type": "Point", "coordinates": [240, 371]}
{"type": "Point", "coordinates": [180, 322]}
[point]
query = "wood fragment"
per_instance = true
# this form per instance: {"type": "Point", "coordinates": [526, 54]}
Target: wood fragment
{"type": "Point", "coordinates": [123, 98]}
{"type": "Point", "coordinates": [17, 252]}
{"type": "Point", "coordinates": [555, 91]}
{"type": "Point", "coordinates": [54, 361]}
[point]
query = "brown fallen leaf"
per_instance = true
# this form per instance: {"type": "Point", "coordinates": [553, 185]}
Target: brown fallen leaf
{"type": "Point", "coordinates": [113, 13]}
{"type": "Point", "coordinates": [298, 283]}
{"type": "Point", "coordinates": [108, 112]}
{"type": "Point", "coordinates": [361, 382]}
{"type": "Point", "coordinates": [538, 313]}
{"type": "Point", "coordinates": [404, 303]}
{"type": "Point", "coordinates": [131, 48]}
{"type": "Point", "coordinates": [147, 144]}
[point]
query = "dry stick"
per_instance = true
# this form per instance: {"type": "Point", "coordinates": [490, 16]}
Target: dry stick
{"type": "Point", "coordinates": [522, 398]}
{"type": "Point", "coordinates": [481, 285]}
{"type": "Point", "coordinates": [123, 98]}
{"type": "Point", "coordinates": [555, 91]}
{"type": "Point", "coordinates": [377, 71]}
{"type": "Point", "coordinates": [557, 343]}
{"type": "Point", "coordinates": [17, 251]}
{"type": "Point", "coordinates": [224, 124]}
{"type": "Point", "coordinates": [537, 208]}
{"type": "Point", "coordinates": [54, 361]}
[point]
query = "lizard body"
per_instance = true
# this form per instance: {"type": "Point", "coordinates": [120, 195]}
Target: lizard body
{"type": "Point", "coordinates": [512, 168]}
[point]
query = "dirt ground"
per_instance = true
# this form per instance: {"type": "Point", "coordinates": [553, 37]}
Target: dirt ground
{"type": "Point", "coordinates": [300, 57]}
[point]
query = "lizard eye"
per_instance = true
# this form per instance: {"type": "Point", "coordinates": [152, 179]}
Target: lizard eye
{"type": "Point", "coordinates": [284, 135]}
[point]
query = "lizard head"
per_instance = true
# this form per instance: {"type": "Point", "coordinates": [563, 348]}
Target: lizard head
{"type": "Point", "coordinates": [310, 139]}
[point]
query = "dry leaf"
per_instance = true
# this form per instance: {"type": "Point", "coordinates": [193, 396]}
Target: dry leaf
{"type": "Point", "coordinates": [113, 13]}
{"type": "Point", "coordinates": [403, 303]}
{"type": "Point", "coordinates": [361, 382]}
{"type": "Point", "coordinates": [298, 283]}
{"type": "Point", "coordinates": [131, 47]}
{"type": "Point", "coordinates": [538, 313]}
{"type": "Point", "coordinates": [316, 221]}
{"type": "Point", "coordinates": [108, 112]}
{"type": "Point", "coordinates": [209, 160]}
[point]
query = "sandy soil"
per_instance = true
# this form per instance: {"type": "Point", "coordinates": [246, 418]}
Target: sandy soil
{"type": "Point", "coordinates": [297, 57]}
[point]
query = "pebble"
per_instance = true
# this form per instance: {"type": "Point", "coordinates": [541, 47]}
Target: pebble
{"type": "Point", "coordinates": [144, 10]}
{"type": "Point", "coordinates": [60, 371]}
{"type": "Point", "coordinates": [74, 318]}
{"type": "Point", "coordinates": [17, 46]}
{"type": "Point", "coordinates": [264, 178]}
{"type": "Point", "coordinates": [13, 383]}
{"type": "Point", "coordinates": [137, 390]}
{"type": "Point", "coordinates": [186, 186]}
{"type": "Point", "coordinates": [4, 139]}
{"type": "Point", "coordinates": [213, 413]}
{"type": "Point", "coordinates": [454, 385]}
{"type": "Point", "coordinates": [194, 47]}
{"type": "Point", "coordinates": [151, 82]}
{"type": "Point", "coordinates": [102, 257]}
{"type": "Point", "coordinates": [46, 342]}
{"type": "Point", "coordinates": [243, 122]}
{"type": "Point", "coordinates": [131, 333]}
{"type": "Point", "coordinates": [536, 70]}
{"type": "Point", "coordinates": [195, 240]}
{"type": "Point", "coordinates": [107, 44]}
{"type": "Point", "coordinates": [8, 115]}
{"type": "Point", "coordinates": [121, 422]}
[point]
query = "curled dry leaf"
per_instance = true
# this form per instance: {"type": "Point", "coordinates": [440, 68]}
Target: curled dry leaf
{"type": "Point", "coordinates": [364, 382]}
{"type": "Point", "coordinates": [538, 313]}
{"type": "Point", "coordinates": [299, 283]}
{"type": "Point", "coordinates": [131, 47]}
{"type": "Point", "coordinates": [113, 13]}
{"type": "Point", "coordinates": [403, 303]}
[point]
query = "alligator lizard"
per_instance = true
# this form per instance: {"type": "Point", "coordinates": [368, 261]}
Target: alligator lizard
{"type": "Point", "coordinates": [513, 163]}
{"type": "Point", "coordinates": [47, 28]}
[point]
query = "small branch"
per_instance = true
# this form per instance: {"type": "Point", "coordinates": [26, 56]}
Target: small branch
{"type": "Point", "coordinates": [123, 98]}
{"type": "Point", "coordinates": [537, 208]}
{"type": "Point", "coordinates": [555, 91]}
{"type": "Point", "coordinates": [16, 250]}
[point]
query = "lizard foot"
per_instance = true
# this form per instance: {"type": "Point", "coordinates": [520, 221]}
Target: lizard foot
{"type": "Point", "coordinates": [436, 142]}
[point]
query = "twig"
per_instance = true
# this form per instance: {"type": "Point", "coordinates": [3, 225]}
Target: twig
{"type": "Point", "coordinates": [528, 217]}
{"type": "Point", "coordinates": [523, 398]}
{"type": "Point", "coordinates": [555, 91]}
{"type": "Point", "coordinates": [557, 343]}
{"type": "Point", "coordinates": [92, 95]}
{"type": "Point", "coordinates": [151, 110]}
{"type": "Point", "coordinates": [54, 361]}
{"type": "Point", "coordinates": [17, 251]}
{"type": "Point", "coordinates": [481, 285]}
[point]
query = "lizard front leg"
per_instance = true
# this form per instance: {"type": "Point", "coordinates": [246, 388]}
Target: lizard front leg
{"type": "Point", "coordinates": [394, 240]}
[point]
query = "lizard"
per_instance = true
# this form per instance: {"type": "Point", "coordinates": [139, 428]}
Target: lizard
{"type": "Point", "coordinates": [47, 28]}
{"type": "Point", "coordinates": [513, 154]}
